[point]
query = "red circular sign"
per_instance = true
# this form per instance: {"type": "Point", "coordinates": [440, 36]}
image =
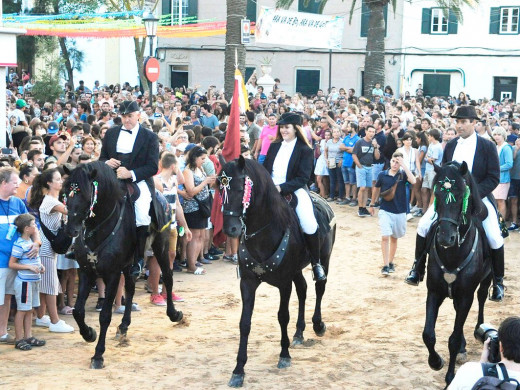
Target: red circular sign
{"type": "Point", "coordinates": [151, 69]}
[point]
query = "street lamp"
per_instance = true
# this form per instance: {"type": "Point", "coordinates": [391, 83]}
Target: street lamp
{"type": "Point", "coordinates": [150, 25]}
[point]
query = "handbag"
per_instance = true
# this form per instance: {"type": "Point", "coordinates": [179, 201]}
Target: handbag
{"type": "Point", "coordinates": [204, 206]}
{"type": "Point", "coordinates": [389, 194]}
{"type": "Point", "coordinates": [60, 242]}
{"type": "Point", "coordinates": [331, 162]}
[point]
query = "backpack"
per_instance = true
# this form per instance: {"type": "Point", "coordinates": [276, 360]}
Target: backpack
{"type": "Point", "coordinates": [491, 381]}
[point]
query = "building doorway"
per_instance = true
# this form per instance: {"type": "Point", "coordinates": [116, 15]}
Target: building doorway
{"type": "Point", "coordinates": [505, 88]}
{"type": "Point", "coordinates": [179, 76]}
{"type": "Point", "coordinates": [436, 84]}
{"type": "Point", "coordinates": [307, 81]}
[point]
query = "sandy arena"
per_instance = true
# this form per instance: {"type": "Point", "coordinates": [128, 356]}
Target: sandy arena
{"type": "Point", "coordinates": [373, 338]}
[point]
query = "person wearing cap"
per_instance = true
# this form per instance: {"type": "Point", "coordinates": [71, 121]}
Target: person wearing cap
{"type": "Point", "coordinates": [19, 113]}
{"type": "Point", "coordinates": [58, 147]}
{"type": "Point", "coordinates": [133, 152]}
{"type": "Point", "coordinates": [482, 159]}
{"type": "Point", "coordinates": [289, 161]}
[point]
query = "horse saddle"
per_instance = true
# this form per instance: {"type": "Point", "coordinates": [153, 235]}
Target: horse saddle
{"type": "Point", "coordinates": [322, 211]}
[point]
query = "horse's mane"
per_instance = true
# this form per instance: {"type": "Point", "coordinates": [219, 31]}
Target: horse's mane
{"type": "Point", "coordinates": [269, 197]}
{"type": "Point", "coordinates": [104, 175]}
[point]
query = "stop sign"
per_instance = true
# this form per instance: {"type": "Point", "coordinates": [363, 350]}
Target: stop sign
{"type": "Point", "coordinates": [151, 69]}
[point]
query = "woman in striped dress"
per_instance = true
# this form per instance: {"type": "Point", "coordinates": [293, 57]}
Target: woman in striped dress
{"type": "Point", "coordinates": [44, 197]}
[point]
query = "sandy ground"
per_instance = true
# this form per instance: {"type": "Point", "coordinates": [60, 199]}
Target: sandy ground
{"type": "Point", "coordinates": [373, 340]}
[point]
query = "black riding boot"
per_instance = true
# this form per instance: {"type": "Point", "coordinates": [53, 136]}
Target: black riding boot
{"type": "Point", "coordinates": [313, 244]}
{"type": "Point", "coordinates": [137, 267]}
{"type": "Point", "coordinates": [416, 274]}
{"type": "Point", "coordinates": [497, 264]}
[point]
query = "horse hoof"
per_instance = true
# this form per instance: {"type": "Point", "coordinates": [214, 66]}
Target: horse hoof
{"type": "Point", "coordinates": [92, 335]}
{"type": "Point", "coordinates": [437, 364]}
{"type": "Point", "coordinates": [319, 329]}
{"type": "Point", "coordinates": [462, 357]}
{"type": "Point", "coordinates": [284, 362]}
{"type": "Point", "coordinates": [96, 364]}
{"type": "Point", "coordinates": [176, 317]}
{"type": "Point", "coordinates": [297, 341]}
{"type": "Point", "coordinates": [237, 380]}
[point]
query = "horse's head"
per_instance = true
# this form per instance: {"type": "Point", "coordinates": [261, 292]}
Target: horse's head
{"type": "Point", "coordinates": [81, 191]}
{"type": "Point", "coordinates": [236, 193]}
{"type": "Point", "coordinates": [453, 190]}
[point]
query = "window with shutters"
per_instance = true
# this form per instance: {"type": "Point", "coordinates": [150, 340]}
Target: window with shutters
{"type": "Point", "coordinates": [434, 21]}
{"type": "Point", "coordinates": [439, 23]}
{"type": "Point", "coordinates": [188, 10]}
{"type": "Point", "coordinates": [251, 11]}
{"type": "Point", "coordinates": [509, 20]}
{"type": "Point", "coordinates": [311, 6]}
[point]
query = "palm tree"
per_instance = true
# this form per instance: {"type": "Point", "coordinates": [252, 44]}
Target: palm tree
{"type": "Point", "coordinates": [236, 11]}
{"type": "Point", "coordinates": [375, 49]}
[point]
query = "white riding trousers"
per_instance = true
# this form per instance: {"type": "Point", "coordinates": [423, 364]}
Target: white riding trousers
{"type": "Point", "coordinates": [305, 212]}
{"type": "Point", "coordinates": [142, 205]}
{"type": "Point", "coordinates": [490, 225]}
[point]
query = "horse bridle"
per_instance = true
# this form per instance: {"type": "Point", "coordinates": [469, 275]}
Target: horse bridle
{"type": "Point", "coordinates": [247, 189]}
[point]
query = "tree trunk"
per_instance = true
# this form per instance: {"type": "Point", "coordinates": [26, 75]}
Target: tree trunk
{"type": "Point", "coordinates": [236, 11]}
{"type": "Point", "coordinates": [66, 59]}
{"type": "Point", "coordinates": [139, 58]}
{"type": "Point", "coordinates": [375, 51]}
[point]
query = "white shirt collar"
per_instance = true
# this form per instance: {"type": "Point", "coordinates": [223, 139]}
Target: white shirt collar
{"type": "Point", "coordinates": [290, 143]}
{"type": "Point", "coordinates": [469, 140]}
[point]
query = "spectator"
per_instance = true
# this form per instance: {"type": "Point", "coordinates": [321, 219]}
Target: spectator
{"type": "Point", "coordinates": [333, 156]}
{"type": "Point", "coordinates": [321, 171]}
{"type": "Point", "coordinates": [505, 156]}
{"type": "Point", "coordinates": [348, 168]}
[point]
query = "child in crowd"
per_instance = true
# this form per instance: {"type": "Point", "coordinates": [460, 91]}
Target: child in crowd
{"type": "Point", "coordinates": [392, 212]}
{"type": "Point", "coordinates": [27, 282]}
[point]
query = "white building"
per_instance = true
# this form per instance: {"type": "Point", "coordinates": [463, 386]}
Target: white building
{"type": "Point", "coordinates": [480, 56]}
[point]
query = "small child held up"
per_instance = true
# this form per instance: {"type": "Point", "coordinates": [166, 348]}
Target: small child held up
{"type": "Point", "coordinates": [27, 282]}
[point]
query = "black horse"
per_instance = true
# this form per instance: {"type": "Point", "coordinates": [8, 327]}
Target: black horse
{"type": "Point", "coordinates": [101, 217]}
{"type": "Point", "coordinates": [271, 250]}
{"type": "Point", "coordinates": [458, 261]}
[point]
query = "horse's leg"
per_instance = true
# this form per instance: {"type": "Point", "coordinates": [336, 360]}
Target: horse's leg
{"type": "Point", "coordinates": [482, 294]}
{"type": "Point", "coordinates": [111, 283]}
{"type": "Point", "coordinates": [433, 302]}
{"type": "Point", "coordinates": [129, 296]}
{"type": "Point", "coordinates": [463, 306]}
{"type": "Point", "coordinates": [317, 324]}
{"type": "Point", "coordinates": [160, 246]}
{"type": "Point", "coordinates": [86, 279]}
{"type": "Point", "coordinates": [247, 290]}
{"type": "Point", "coordinates": [301, 291]}
{"type": "Point", "coordinates": [283, 320]}
{"type": "Point", "coordinates": [461, 355]}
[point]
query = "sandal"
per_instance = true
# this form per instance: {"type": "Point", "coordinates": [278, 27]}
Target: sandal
{"type": "Point", "coordinates": [34, 342]}
{"type": "Point", "coordinates": [198, 271]}
{"type": "Point", "coordinates": [66, 310]}
{"type": "Point", "coordinates": [22, 345]}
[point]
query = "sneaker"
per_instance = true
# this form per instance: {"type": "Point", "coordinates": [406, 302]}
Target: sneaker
{"type": "Point", "coordinates": [157, 300]}
{"type": "Point", "coordinates": [513, 227]}
{"type": "Point", "coordinates": [99, 304]}
{"type": "Point", "coordinates": [363, 212]}
{"type": "Point", "coordinates": [175, 297]}
{"type": "Point", "coordinates": [135, 307]}
{"type": "Point", "coordinates": [215, 251]}
{"type": "Point", "coordinates": [418, 213]}
{"type": "Point", "coordinates": [183, 263]}
{"type": "Point", "coordinates": [231, 259]}
{"type": "Point", "coordinates": [360, 212]}
{"type": "Point", "coordinates": [391, 268]}
{"type": "Point", "coordinates": [61, 327]}
{"type": "Point", "coordinates": [376, 205]}
{"type": "Point", "coordinates": [149, 289]}
{"type": "Point", "coordinates": [44, 322]}
{"type": "Point", "coordinates": [176, 266]}
{"type": "Point", "coordinates": [409, 217]}
{"type": "Point", "coordinates": [330, 199]}
{"type": "Point", "coordinates": [354, 203]}
{"type": "Point", "coordinates": [209, 256]}
{"type": "Point", "coordinates": [343, 202]}
{"type": "Point", "coordinates": [414, 209]}
{"type": "Point", "coordinates": [120, 310]}
{"type": "Point", "coordinates": [385, 270]}
{"type": "Point", "coordinates": [7, 339]}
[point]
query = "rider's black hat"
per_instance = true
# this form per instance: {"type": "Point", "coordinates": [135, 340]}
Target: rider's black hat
{"type": "Point", "coordinates": [290, 118]}
{"type": "Point", "coordinates": [465, 112]}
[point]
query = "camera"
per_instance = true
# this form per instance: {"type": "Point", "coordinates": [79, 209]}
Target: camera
{"type": "Point", "coordinates": [484, 332]}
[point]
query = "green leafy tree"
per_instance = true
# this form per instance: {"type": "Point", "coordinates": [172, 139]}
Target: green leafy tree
{"type": "Point", "coordinates": [47, 86]}
{"type": "Point", "coordinates": [375, 48]}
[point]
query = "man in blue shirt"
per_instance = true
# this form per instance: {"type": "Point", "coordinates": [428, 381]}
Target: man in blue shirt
{"type": "Point", "coordinates": [207, 119]}
{"type": "Point", "coordinates": [347, 169]}
{"type": "Point", "coordinates": [10, 208]}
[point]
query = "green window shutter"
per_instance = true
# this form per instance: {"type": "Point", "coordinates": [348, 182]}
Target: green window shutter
{"type": "Point", "coordinates": [166, 7]}
{"type": "Point", "coordinates": [193, 10]}
{"type": "Point", "coordinates": [385, 13]}
{"type": "Point", "coordinates": [365, 16]}
{"type": "Point", "coordinates": [453, 23]}
{"type": "Point", "coordinates": [312, 6]}
{"type": "Point", "coordinates": [251, 10]}
{"type": "Point", "coordinates": [494, 20]}
{"type": "Point", "coordinates": [426, 21]}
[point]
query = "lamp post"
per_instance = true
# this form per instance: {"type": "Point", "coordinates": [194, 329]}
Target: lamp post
{"type": "Point", "coordinates": [150, 25]}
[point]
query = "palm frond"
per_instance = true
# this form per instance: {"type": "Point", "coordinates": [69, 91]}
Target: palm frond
{"type": "Point", "coordinates": [284, 3]}
{"type": "Point", "coordinates": [351, 13]}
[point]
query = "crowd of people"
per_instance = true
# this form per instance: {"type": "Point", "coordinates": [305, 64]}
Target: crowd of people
{"type": "Point", "coordinates": [358, 148]}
